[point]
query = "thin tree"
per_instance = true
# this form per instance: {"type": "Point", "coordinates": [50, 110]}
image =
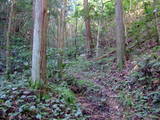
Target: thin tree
{"type": "Point", "coordinates": [75, 41]}
{"type": "Point", "coordinates": [8, 38]}
{"type": "Point", "coordinates": [39, 42]}
{"type": "Point", "coordinates": [120, 34]}
{"type": "Point", "coordinates": [64, 9]}
{"type": "Point", "coordinates": [61, 35]}
{"type": "Point", "coordinates": [76, 31]}
{"type": "Point", "coordinates": [157, 21]}
{"type": "Point", "coordinates": [98, 39]}
{"type": "Point", "coordinates": [98, 49]}
{"type": "Point", "coordinates": [89, 40]}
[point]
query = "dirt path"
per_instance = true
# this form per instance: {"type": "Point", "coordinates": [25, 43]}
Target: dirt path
{"type": "Point", "coordinates": [102, 105]}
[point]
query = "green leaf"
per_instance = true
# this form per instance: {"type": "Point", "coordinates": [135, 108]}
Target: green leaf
{"type": "Point", "coordinates": [39, 116]}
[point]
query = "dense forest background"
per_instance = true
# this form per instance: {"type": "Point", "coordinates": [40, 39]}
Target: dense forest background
{"type": "Point", "coordinates": [80, 60]}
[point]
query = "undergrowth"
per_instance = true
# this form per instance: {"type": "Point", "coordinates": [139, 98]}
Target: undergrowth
{"type": "Point", "coordinates": [20, 101]}
{"type": "Point", "coordinates": [140, 94]}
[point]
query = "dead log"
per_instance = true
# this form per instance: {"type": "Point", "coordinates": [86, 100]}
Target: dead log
{"type": "Point", "coordinates": [104, 56]}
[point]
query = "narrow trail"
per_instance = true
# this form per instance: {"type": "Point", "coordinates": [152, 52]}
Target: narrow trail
{"type": "Point", "coordinates": [104, 104]}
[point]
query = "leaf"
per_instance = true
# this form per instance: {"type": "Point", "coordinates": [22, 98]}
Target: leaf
{"type": "Point", "coordinates": [14, 114]}
{"type": "Point", "coordinates": [8, 103]}
{"type": "Point", "coordinates": [39, 116]}
{"type": "Point", "coordinates": [32, 108]}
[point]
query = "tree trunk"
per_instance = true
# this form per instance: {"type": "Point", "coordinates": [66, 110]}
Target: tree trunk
{"type": "Point", "coordinates": [157, 21]}
{"type": "Point", "coordinates": [61, 37]}
{"type": "Point", "coordinates": [33, 17]}
{"type": "Point", "coordinates": [63, 22]}
{"type": "Point", "coordinates": [89, 40]}
{"type": "Point", "coordinates": [98, 40]}
{"type": "Point", "coordinates": [8, 39]}
{"type": "Point", "coordinates": [120, 34]}
{"type": "Point", "coordinates": [39, 42]}
{"type": "Point", "coordinates": [76, 28]}
{"type": "Point", "coordinates": [58, 29]}
{"type": "Point", "coordinates": [158, 27]}
{"type": "Point", "coordinates": [98, 49]}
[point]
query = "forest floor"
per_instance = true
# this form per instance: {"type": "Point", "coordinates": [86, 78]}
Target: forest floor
{"type": "Point", "coordinates": [103, 104]}
{"type": "Point", "coordinates": [106, 102]}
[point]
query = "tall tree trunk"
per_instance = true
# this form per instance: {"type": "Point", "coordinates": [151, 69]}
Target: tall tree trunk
{"type": "Point", "coordinates": [39, 42]}
{"type": "Point", "coordinates": [60, 43]}
{"type": "Point", "coordinates": [98, 40]}
{"type": "Point", "coordinates": [61, 25]}
{"type": "Point", "coordinates": [157, 21]}
{"type": "Point", "coordinates": [158, 27]}
{"type": "Point", "coordinates": [125, 30]}
{"type": "Point", "coordinates": [98, 49]}
{"type": "Point", "coordinates": [130, 5]}
{"type": "Point", "coordinates": [62, 28]}
{"type": "Point", "coordinates": [120, 34]}
{"type": "Point", "coordinates": [58, 29]}
{"type": "Point", "coordinates": [33, 17]}
{"type": "Point", "coordinates": [76, 28]}
{"type": "Point", "coordinates": [89, 40]}
{"type": "Point", "coordinates": [63, 22]}
{"type": "Point", "coordinates": [8, 38]}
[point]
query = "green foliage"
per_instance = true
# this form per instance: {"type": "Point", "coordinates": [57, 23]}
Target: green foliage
{"type": "Point", "coordinates": [126, 99]}
{"type": "Point", "coordinates": [24, 5]}
{"type": "Point", "coordinates": [20, 60]}
{"type": "Point", "coordinates": [81, 86]}
{"type": "Point", "coordinates": [39, 84]}
{"type": "Point", "coordinates": [148, 70]}
{"type": "Point", "coordinates": [144, 87]}
{"type": "Point", "coordinates": [55, 63]}
{"type": "Point", "coordinates": [155, 49]}
{"type": "Point", "coordinates": [85, 82]}
{"type": "Point", "coordinates": [80, 64]}
{"type": "Point", "coordinates": [64, 92]}
{"type": "Point", "coordinates": [22, 100]}
{"type": "Point", "coordinates": [17, 101]}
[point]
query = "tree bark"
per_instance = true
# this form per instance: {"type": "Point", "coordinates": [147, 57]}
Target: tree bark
{"type": "Point", "coordinates": [76, 28]}
{"type": "Point", "coordinates": [157, 21]}
{"type": "Point", "coordinates": [89, 40]}
{"type": "Point", "coordinates": [120, 34]}
{"type": "Point", "coordinates": [61, 36]}
{"type": "Point", "coordinates": [8, 38]}
{"type": "Point", "coordinates": [98, 40]}
{"type": "Point", "coordinates": [58, 29]}
{"type": "Point", "coordinates": [98, 49]}
{"type": "Point", "coordinates": [33, 17]}
{"type": "Point", "coordinates": [158, 27]}
{"type": "Point", "coordinates": [39, 42]}
{"type": "Point", "coordinates": [63, 22]}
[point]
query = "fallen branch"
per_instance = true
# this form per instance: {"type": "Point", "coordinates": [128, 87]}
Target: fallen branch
{"type": "Point", "coordinates": [113, 51]}
{"type": "Point", "coordinates": [105, 55]}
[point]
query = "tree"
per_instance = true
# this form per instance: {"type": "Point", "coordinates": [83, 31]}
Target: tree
{"type": "Point", "coordinates": [98, 49]}
{"type": "Point", "coordinates": [39, 42]}
{"type": "Point", "coordinates": [75, 42]}
{"type": "Point", "coordinates": [120, 34]}
{"type": "Point", "coordinates": [76, 15]}
{"type": "Point", "coordinates": [156, 10]}
{"type": "Point", "coordinates": [61, 36]}
{"type": "Point", "coordinates": [8, 38]}
{"type": "Point", "coordinates": [89, 41]}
